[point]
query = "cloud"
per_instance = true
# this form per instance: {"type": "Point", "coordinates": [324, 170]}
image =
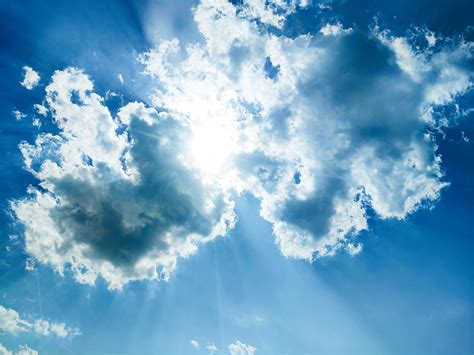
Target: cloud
{"type": "Point", "coordinates": [239, 348]}
{"type": "Point", "coordinates": [194, 344]}
{"type": "Point", "coordinates": [4, 350]}
{"type": "Point", "coordinates": [116, 199]}
{"type": "Point", "coordinates": [30, 79]}
{"type": "Point", "coordinates": [322, 129]}
{"type": "Point", "coordinates": [212, 348]}
{"type": "Point", "coordinates": [334, 30]}
{"type": "Point", "coordinates": [273, 12]}
{"type": "Point", "coordinates": [12, 323]}
{"type": "Point", "coordinates": [19, 115]}
{"type": "Point", "coordinates": [346, 124]}
{"type": "Point", "coordinates": [42, 110]}
{"type": "Point", "coordinates": [26, 350]}
{"type": "Point", "coordinates": [23, 350]}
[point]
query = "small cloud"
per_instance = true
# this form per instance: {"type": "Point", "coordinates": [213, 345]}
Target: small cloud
{"type": "Point", "coordinates": [30, 79]}
{"type": "Point", "coordinates": [120, 77]}
{"type": "Point", "coordinates": [12, 323]}
{"type": "Point", "coordinates": [239, 348]}
{"type": "Point", "coordinates": [354, 249]}
{"type": "Point", "coordinates": [30, 264]}
{"type": "Point", "coordinates": [194, 344]}
{"type": "Point", "coordinates": [212, 348]}
{"type": "Point", "coordinates": [430, 38]}
{"type": "Point", "coordinates": [36, 122]}
{"type": "Point", "coordinates": [18, 115]}
{"type": "Point", "coordinates": [42, 110]}
{"type": "Point", "coordinates": [334, 30]}
{"type": "Point", "coordinates": [24, 350]}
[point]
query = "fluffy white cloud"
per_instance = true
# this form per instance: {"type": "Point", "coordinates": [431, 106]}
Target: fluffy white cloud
{"type": "Point", "coordinates": [316, 147]}
{"type": "Point", "coordinates": [26, 350]}
{"type": "Point", "coordinates": [194, 344]}
{"type": "Point", "coordinates": [30, 78]}
{"type": "Point", "coordinates": [269, 12]}
{"type": "Point", "coordinates": [19, 115]}
{"type": "Point", "coordinates": [212, 348]}
{"type": "Point", "coordinates": [116, 198]}
{"type": "Point", "coordinates": [23, 350]}
{"type": "Point", "coordinates": [334, 30]}
{"type": "Point", "coordinates": [4, 350]}
{"type": "Point", "coordinates": [319, 128]}
{"type": "Point", "coordinates": [41, 109]}
{"type": "Point", "coordinates": [239, 348]}
{"type": "Point", "coordinates": [12, 323]}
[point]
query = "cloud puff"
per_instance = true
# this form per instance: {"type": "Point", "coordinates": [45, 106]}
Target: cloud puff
{"type": "Point", "coordinates": [239, 348]}
{"type": "Point", "coordinates": [12, 323]}
{"type": "Point", "coordinates": [116, 199]}
{"type": "Point", "coordinates": [194, 344]}
{"type": "Point", "coordinates": [30, 79]}
{"type": "Point", "coordinates": [273, 12]}
{"type": "Point", "coordinates": [212, 348]}
{"type": "Point", "coordinates": [334, 30]}
{"type": "Point", "coordinates": [23, 350]}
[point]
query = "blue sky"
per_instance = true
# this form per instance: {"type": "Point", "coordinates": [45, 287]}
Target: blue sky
{"type": "Point", "coordinates": [236, 177]}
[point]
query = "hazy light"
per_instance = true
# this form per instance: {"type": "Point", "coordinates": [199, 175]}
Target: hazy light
{"type": "Point", "coordinates": [211, 146]}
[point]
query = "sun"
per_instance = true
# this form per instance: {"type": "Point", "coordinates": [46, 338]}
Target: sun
{"type": "Point", "coordinates": [211, 146]}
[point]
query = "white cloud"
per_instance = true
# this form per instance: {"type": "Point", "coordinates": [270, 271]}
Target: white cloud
{"type": "Point", "coordinates": [4, 350]}
{"type": "Point", "coordinates": [269, 12]}
{"type": "Point", "coordinates": [41, 109]}
{"type": "Point", "coordinates": [120, 205]}
{"type": "Point", "coordinates": [26, 350]}
{"type": "Point", "coordinates": [316, 147]}
{"type": "Point", "coordinates": [30, 79]}
{"type": "Point", "coordinates": [23, 350]}
{"type": "Point", "coordinates": [12, 323]}
{"type": "Point", "coordinates": [19, 115]}
{"type": "Point", "coordinates": [212, 348]}
{"type": "Point", "coordinates": [239, 348]}
{"type": "Point", "coordinates": [194, 344]}
{"type": "Point", "coordinates": [334, 30]}
{"type": "Point", "coordinates": [124, 197]}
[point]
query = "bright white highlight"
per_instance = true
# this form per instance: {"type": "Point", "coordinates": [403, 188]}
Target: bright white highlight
{"type": "Point", "coordinates": [211, 146]}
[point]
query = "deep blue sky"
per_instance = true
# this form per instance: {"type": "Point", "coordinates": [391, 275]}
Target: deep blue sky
{"type": "Point", "coordinates": [410, 291]}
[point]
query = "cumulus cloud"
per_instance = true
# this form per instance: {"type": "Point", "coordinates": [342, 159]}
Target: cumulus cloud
{"type": "Point", "coordinates": [30, 79]}
{"type": "Point", "coordinates": [334, 30]}
{"type": "Point", "coordinates": [194, 344]}
{"type": "Point", "coordinates": [212, 348]}
{"type": "Point", "coordinates": [116, 199]}
{"type": "Point", "coordinates": [26, 350]}
{"type": "Point", "coordinates": [23, 350]}
{"type": "Point", "coordinates": [239, 348]}
{"type": "Point", "coordinates": [41, 109]}
{"type": "Point", "coordinates": [12, 323]}
{"type": "Point", "coordinates": [317, 147]}
{"type": "Point", "coordinates": [320, 128]}
{"type": "Point", "coordinates": [269, 12]}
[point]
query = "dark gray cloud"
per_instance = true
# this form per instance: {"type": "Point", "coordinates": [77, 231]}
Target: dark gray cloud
{"type": "Point", "coordinates": [122, 220]}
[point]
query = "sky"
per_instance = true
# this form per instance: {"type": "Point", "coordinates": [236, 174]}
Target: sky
{"type": "Point", "coordinates": [236, 177]}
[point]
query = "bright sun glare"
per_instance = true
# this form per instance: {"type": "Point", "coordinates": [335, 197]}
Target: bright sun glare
{"type": "Point", "coordinates": [211, 146]}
